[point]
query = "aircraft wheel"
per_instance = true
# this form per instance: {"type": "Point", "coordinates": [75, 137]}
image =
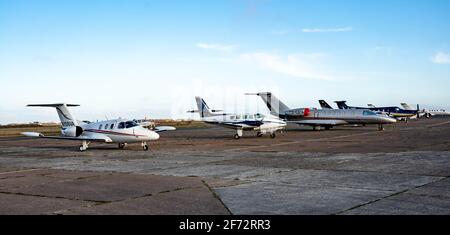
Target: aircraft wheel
{"type": "Point", "coordinates": [82, 149]}
{"type": "Point", "coordinates": [272, 135]}
{"type": "Point", "coordinates": [259, 134]}
{"type": "Point", "coordinates": [122, 145]}
{"type": "Point", "coordinates": [236, 137]}
{"type": "Point", "coordinates": [145, 147]}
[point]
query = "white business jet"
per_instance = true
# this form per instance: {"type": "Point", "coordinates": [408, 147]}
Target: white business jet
{"type": "Point", "coordinates": [240, 122]}
{"type": "Point", "coordinates": [121, 131]}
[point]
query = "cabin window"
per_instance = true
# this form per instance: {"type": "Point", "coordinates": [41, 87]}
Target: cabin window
{"type": "Point", "coordinates": [368, 113]}
{"type": "Point", "coordinates": [121, 125]}
{"type": "Point", "coordinates": [251, 117]}
{"type": "Point", "coordinates": [130, 124]}
{"type": "Point", "coordinates": [232, 117]}
{"type": "Point", "coordinates": [238, 116]}
{"type": "Point", "coordinates": [100, 127]}
{"type": "Point", "coordinates": [112, 126]}
{"type": "Point", "coordinates": [106, 126]}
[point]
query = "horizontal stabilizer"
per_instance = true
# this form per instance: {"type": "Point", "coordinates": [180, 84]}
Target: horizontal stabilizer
{"type": "Point", "coordinates": [52, 105]}
{"type": "Point", "coordinates": [93, 137]}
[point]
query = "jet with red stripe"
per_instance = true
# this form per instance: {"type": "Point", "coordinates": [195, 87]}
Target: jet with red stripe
{"type": "Point", "coordinates": [326, 118]}
{"type": "Point", "coordinates": [120, 131]}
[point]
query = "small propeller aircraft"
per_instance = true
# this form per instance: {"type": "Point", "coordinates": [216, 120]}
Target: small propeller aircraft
{"type": "Point", "coordinates": [121, 131]}
{"type": "Point", "coordinates": [240, 122]}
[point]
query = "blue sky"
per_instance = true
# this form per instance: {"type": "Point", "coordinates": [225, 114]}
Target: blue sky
{"type": "Point", "coordinates": [150, 58]}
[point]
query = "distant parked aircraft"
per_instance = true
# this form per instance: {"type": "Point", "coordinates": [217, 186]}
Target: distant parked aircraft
{"type": "Point", "coordinates": [392, 111]}
{"type": "Point", "coordinates": [428, 112]}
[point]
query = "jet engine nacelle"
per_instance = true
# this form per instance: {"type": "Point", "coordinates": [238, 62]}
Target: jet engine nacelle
{"type": "Point", "coordinates": [270, 127]}
{"type": "Point", "coordinates": [73, 131]}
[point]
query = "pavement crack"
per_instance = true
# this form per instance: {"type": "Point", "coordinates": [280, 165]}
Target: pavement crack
{"type": "Point", "coordinates": [388, 196]}
{"type": "Point", "coordinates": [217, 197]}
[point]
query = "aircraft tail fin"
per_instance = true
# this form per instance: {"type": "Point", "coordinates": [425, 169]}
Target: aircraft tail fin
{"type": "Point", "coordinates": [324, 104]}
{"type": "Point", "coordinates": [342, 104]}
{"type": "Point", "coordinates": [275, 105]}
{"type": "Point", "coordinates": [203, 108]}
{"type": "Point", "coordinates": [65, 116]}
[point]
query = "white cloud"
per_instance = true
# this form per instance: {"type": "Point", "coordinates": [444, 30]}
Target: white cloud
{"type": "Point", "coordinates": [441, 58]}
{"type": "Point", "coordinates": [328, 30]}
{"type": "Point", "coordinates": [295, 65]}
{"type": "Point", "coordinates": [217, 47]}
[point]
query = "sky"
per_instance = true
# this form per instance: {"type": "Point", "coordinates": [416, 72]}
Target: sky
{"type": "Point", "coordinates": [139, 58]}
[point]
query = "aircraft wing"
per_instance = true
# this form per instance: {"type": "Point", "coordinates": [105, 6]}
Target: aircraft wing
{"type": "Point", "coordinates": [314, 122]}
{"type": "Point", "coordinates": [92, 137]}
{"type": "Point", "coordinates": [230, 125]}
{"type": "Point", "coordinates": [159, 129]}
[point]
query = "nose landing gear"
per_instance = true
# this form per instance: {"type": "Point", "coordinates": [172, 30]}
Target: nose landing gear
{"type": "Point", "coordinates": [145, 146]}
{"type": "Point", "coordinates": [84, 145]}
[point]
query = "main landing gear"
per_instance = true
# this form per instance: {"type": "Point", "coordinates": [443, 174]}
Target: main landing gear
{"type": "Point", "coordinates": [380, 127]}
{"type": "Point", "coordinates": [122, 145]}
{"type": "Point", "coordinates": [272, 135]}
{"type": "Point", "coordinates": [84, 145]}
{"type": "Point", "coordinates": [144, 146]}
{"type": "Point", "coordinates": [238, 134]}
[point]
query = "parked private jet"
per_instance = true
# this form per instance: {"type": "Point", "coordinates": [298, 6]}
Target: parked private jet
{"type": "Point", "coordinates": [239, 122]}
{"type": "Point", "coordinates": [393, 111]}
{"type": "Point", "coordinates": [318, 118]}
{"type": "Point", "coordinates": [121, 131]}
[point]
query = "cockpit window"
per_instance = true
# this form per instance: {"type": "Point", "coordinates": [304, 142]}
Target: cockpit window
{"type": "Point", "coordinates": [100, 127]}
{"type": "Point", "coordinates": [121, 125]}
{"type": "Point", "coordinates": [106, 126]}
{"type": "Point", "coordinates": [112, 126]}
{"type": "Point", "coordinates": [368, 113]}
{"type": "Point", "coordinates": [130, 124]}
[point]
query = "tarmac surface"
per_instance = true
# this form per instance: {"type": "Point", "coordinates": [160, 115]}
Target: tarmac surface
{"type": "Point", "coordinates": [347, 170]}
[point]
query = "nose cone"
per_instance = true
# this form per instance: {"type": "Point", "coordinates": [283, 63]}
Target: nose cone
{"type": "Point", "coordinates": [390, 120]}
{"type": "Point", "coordinates": [152, 135]}
{"type": "Point", "coordinates": [155, 135]}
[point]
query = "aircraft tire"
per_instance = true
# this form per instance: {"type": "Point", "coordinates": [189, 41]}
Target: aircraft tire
{"type": "Point", "coordinates": [236, 137]}
{"type": "Point", "coordinates": [259, 134]}
{"type": "Point", "coordinates": [273, 135]}
{"type": "Point", "coordinates": [145, 147]}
